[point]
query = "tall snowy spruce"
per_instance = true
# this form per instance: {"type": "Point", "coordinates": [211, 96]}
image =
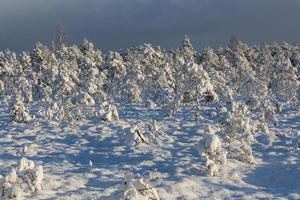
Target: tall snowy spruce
{"type": "Point", "coordinates": [191, 82]}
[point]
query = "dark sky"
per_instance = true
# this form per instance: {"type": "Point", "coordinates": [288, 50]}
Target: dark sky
{"type": "Point", "coordinates": [115, 24]}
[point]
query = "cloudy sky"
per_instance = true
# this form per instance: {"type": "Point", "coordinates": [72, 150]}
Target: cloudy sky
{"type": "Point", "coordinates": [119, 24]}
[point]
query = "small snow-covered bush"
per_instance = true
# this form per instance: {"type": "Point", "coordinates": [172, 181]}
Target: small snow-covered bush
{"type": "Point", "coordinates": [75, 113]}
{"type": "Point", "coordinates": [262, 125]}
{"type": "Point", "coordinates": [9, 187]}
{"type": "Point", "coordinates": [111, 114]}
{"type": "Point", "coordinates": [238, 135]}
{"type": "Point", "coordinates": [210, 150]}
{"type": "Point", "coordinates": [83, 99]}
{"type": "Point", "coordinates": [25, 164]}
{"type": "Point", "coordinates": [31, 174]}
{"type": "Point", "coordinates": [140, 187]}
{"type": "Point", "coordinates": [142, 133]}
{"type": "Point", "coordinates": [297, 135]}
{"type": "Point", "coordinates": [212, 142]}
{"type": "Point", "coordinates": [20, 112]}
{"type": "Point", "coordinates": [222, 113]}
{"type": "Point", "coordinates": [27, 149]}
{"type": "Point", "coordinates": [2, 87]}
{"type": "Point", "coordinates": [48, 113]}
{"type": "Point", "coordinates": [134, 135]}
{"type": "Point", "coordinates": [27, 175]}
{"type": "Point", "coordinates": [150, 104]}
{"type": "Point", "coordinates": [58, 112]}
{"type": "Point", "coordinates": [269, 113]}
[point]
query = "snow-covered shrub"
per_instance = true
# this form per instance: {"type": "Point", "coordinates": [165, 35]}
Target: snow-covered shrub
{"type": "Point", "coordinates": [30, 174]}
{"type": "Point", "coordinates": [210, 150]}
{"type": "Point", "coordinates": [75, 113]}
{"type": "Point", "coordinates": [111, 114]}
{"type": "Point", "coordinates": [27, 149]}
{"type": "Point", "coordinates": [192, 84]}
{"type": "Point", "coordinates": [68, 111]}
{"type": "Point", "coordinates": [284, 80]}
{"type": "Point", "coordinates": [24, 151]}
{"type": "Point", "coordinates": [51, 111]}
{"type": "Point", "coordinates": [2, 88]}
{"type": "Point", "coordinates": [222, 114]}
{"type": "Point", "coordinates": [135, 135]}
{"type": "Point", "coordinates": [48, 112]}
{"type": "Point", "coordinates": [238, 134]}
{"type": "Point", "coordinates": [116, 70]}
{"type": "Point", "coordinates": [83, 99]}
{"type": "Point", "coordinates": [80, 106]}
{"type": "Point", "coordinates": [26, 176]}
{"type": "Point", "coordinates": [140, 187]}
{"type": "Point", "coordinates": [153, 126]}
{"type": "Point", "coordinates": [269, 113]}
{"type": "Point", "coordinates": [20, 112]}
{"type": "Point", "coordinates": [297, 135]}
{"type": "Point", "coordinates": [25, 164]}
{"type": "Point", "coordinates": [150, 104]}
{"type": "Point", "coordinates": [133, 92]}
{"type": "Point", "coordinates": [55, 112]}
{"type": "Point", "coordinates": [10, 187]}
{"type": "Point", "coordinates": [262, 125]}
{"type": "Point", "coordinates": [24, 88]}
{"type": "Point", "coordinates": [142, 133]}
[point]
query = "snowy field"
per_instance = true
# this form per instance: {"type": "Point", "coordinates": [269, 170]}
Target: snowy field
{"type": "Point", "coordinates": [65, 151]}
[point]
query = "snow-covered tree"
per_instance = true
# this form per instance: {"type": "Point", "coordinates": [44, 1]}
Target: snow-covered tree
{"type": "Point", "coordinates": [192, 82]}
{"type": "Point", "coordinates": [187, 50]}
{"type": "Point", "coordinates": [116, 70]}
{"type": "Point", "coordinates": [284, 82]}
{"type": "Point", "coordinates": [210, 150]}
{"type": "Point", "coordinates": [30, 174]}
{"type": "Point", "coordinates": [10, 187]}
{"type": "Point", "coordinates": [19, 111]}
{"type": "Point", "coordinates": [237, 132]}
{"type": "Point", "coordinates": [111, 113]}
{"type": "Point", "coordinates": [143, 132]}
{"type": "Point", "coordinates": [26, 176]}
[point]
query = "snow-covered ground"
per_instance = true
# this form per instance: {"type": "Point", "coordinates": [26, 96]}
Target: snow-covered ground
{"type": "Point", "coordinates": [65, 152]}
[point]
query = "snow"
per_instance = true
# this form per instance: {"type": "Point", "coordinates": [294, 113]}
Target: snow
{"type": "Point", "coordinates": [65, 152]}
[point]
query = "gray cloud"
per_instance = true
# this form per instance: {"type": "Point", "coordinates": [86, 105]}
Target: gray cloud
{"type": "Point", "coordinates": [114, 24]}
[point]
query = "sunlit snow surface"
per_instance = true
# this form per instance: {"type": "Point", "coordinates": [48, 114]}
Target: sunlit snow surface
{"type": "Point", "coordinates": [65, 152]}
